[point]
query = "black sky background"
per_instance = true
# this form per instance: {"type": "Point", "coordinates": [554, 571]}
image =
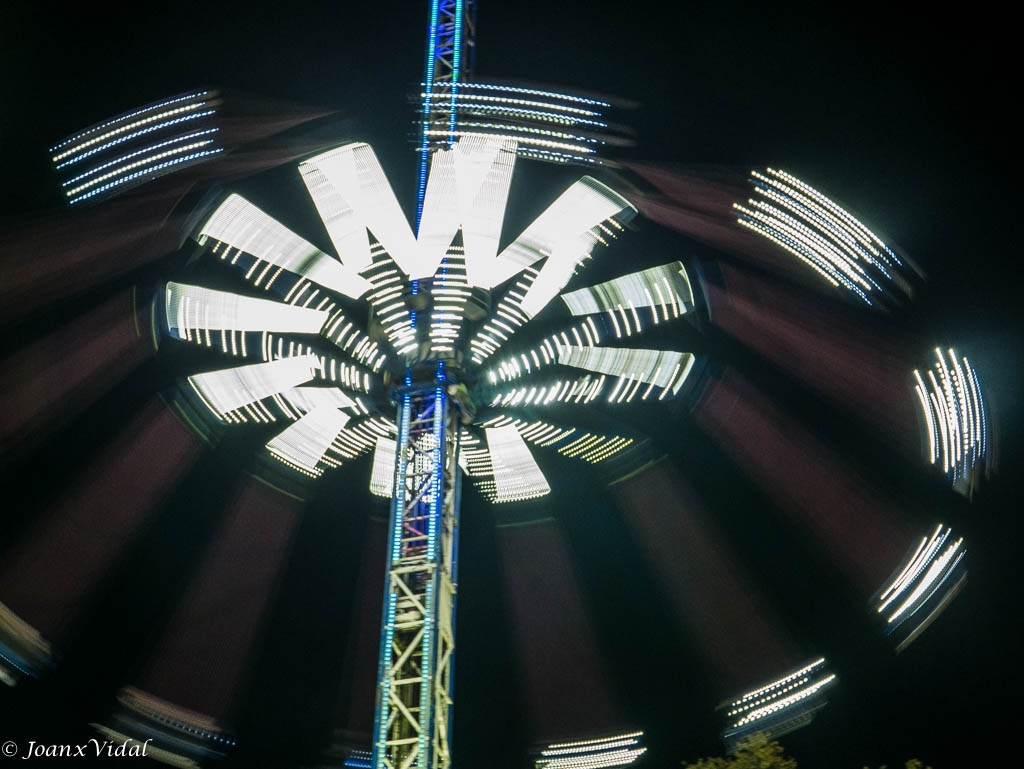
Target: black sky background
{"type": "Point", "coordinates": [906, 117]}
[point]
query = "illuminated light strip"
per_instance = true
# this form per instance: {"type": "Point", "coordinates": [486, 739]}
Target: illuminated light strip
{"type": "Point", "coordinates": [929, 580]}
{"type": "Point", "coordinates": [937, 573]}
{"type": "Point", "coordinates": [823, 220]}
{"type": "Point", "coordinates": [981, 422]}
{"type": "Point", "coordinates": [354, 442]}
{"type": "Point", "coordinates": [809, 260]}
{"type": "Point", "coordinates": [830, 219]}
{"type": "Point", "coordinates": [781, 682]}
{"type": "Point", "coordinates": [609, 449]}
{"type": "Point", "coordinates": [194, 307]}
{"type": "Point", "coordinates": [775, 694]}
{"type": "Point", "coordinates": [509, 369]}
{"type": "Point", "coordinates": [924, 556]}
{"type": "Point", "coordinates": [230, 389]}
{"type": "Point", "coordinates": [240, 224]}
{"type": "Point", "coordinates": [304, 443]}
{"type": "Point", "coordinates": [633, 290]}
{"type": "Point", "coordinates": [531, 92]}
{"type": "Point", "coordinates": [764, 225]}
{"type": "Point", "coordinates": [909, 568]}
{"type": "Point", "coordinates": [836, 209]}
{"type": "Point", "coordinates": [351, 376]}
{"type": "Point", "coordinates": [526, 141]}
{"type": "Point", "coordinates": [810, 226]}
{"type": "Point", "coordinates": [536, 114]}
{"type": "Point", "coordinates": [614, 751]}
{"type": "Point", "coordinates": [838, 268]}
{"type": "Point", "coordinates": [826, 230]}
{"type": "Point", "coordinates": [952, 410]}
{"type": "Point", "coordinates": [647, 365]}
{"type": "Point", "coordinates": [954, 417]}
{"type": "Point", "coordinates": [135, 135]}
{"type": "Point", "coordinates": [441, 214]}
{"type": "Point", "coordinates": [812, 243]}
{"type": "Point", "coordinates": [921, 391]}
{"type": "Point", "coordinates": [608, 743]}
{"type": "Point", "coordinates": [599, 761]}
{"type": "Point", "coordinates": [382, 477]}
{"type": "Point", "coordinates": [557, 157]}
{"type": "Point", "coordinates": [139, 163]}
{"type": "Point", "coordinates": [473, 98]}
{"type": "Point", "coordinates": [128, 116]}
{"type": "Point", "coordinates": [516, 474]}
{"type": "Point", "coordinates": [509, 130]}
{"type": "Point", "coordinates": [572, 246]}
{"type": "Point", "coordinates": [127, 127]}
{"type": "Point", "coordinates": [785, 702]}
{"type": "Point", "coordinates": [387, 304]}
{"type": "Point", "coordinates": [145, 172]}
{"type": "Point", "coordinates": [143, 151]}
{"type": "Point", "coordinates": [357, 344]}
{"type": "Point", "coordinates": [565, 226]}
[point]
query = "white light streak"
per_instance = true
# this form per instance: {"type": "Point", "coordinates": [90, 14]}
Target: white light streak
{"type": "Point", "coordinates": [382, 477]}
{"type": "Point", "coordinates": [827, 238]}
{"type": "Point", "coordinates": [634, 290]}
{"type": "Point", "coordinates": [353, 195]}
{"type": "Point", "coordinates": [657, 367]}
{"type": "Point", "coordinates": [229, 389]}
{"type": "Point", "coordinates": [798, 694]}
{"type": "Point", "coordinates": [565, 234]}
{"type": "Point", "coordinates": [240, 224]}
{"type": "Point", "coordinates": [468, 188]}
{"type": "Point", "coordinates": [304, 443]}
{"type": "Point", "coordinates": [613, 751]}
{"type": "Point", "coordinates": [191, 308]}
{"type": "Point", "coordinates": [516, 474]}
{"type": "Point", "coordinates": [955, 421]}
{"type": "Point", "coordinates": [924, 586]}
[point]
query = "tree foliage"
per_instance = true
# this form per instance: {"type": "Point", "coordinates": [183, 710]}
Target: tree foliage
{"type": "Point", "coordinates": [756, 752]}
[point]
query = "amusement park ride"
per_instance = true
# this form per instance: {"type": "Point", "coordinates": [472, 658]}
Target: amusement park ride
{"type": "Point", "coordinates": [421, 384]}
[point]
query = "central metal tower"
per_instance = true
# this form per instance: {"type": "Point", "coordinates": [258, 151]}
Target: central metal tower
{"type": "Point", "coordinates": [414, 693]}
{"type": "Point", "coordinates": [412, 728]}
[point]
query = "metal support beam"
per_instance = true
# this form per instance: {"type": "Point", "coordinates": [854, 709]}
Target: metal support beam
{"type": "Point", "coordinates": [451, 42]}
{"type": "Point", "coordinates": [414, 685]}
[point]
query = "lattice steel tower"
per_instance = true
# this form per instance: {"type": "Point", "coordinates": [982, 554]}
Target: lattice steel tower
{"type": "Point", "coordinates": [412, 726]}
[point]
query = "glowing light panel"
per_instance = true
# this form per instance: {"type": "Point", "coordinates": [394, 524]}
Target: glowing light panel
{"type": "Point", "coordinates": [661, 368]}
{"type": "Point", "coordinates": [382, 477]}
{"type": "Point", "coordinates": [665, 290]}
{"type": "Point", "coordinates": [190, 309]}
{"type": "Point", "coordinates": [353, 195]}
{"type": "Point", "coordinates": [516, 474]}
{"type": "Point", "coordinates": [304, 443]}
{"type": "Point", "coordinates": [240, 224]}
{"type": "Point", "coordinates": [230, 389]}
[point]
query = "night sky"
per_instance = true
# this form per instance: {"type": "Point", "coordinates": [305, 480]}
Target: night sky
{"type": "Point", "coordinates": [905, 118]}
